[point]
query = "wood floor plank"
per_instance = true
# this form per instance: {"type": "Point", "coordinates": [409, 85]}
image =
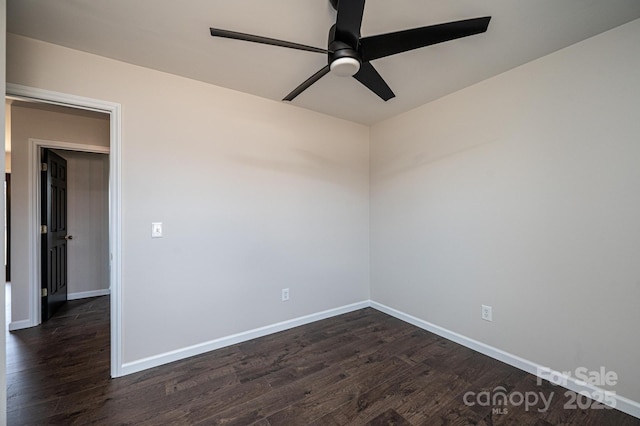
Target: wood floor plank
{"type": "Point", "coordinates": [377, 375]}
{"type": "Point", "coordinates": [361, 368]}
{"type": "Point", "coordinates": [389, 417]}
{"type": "Point", "coordinates": [373, 403]}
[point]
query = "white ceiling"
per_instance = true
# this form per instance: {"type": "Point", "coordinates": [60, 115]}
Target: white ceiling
{"type": "Point", "coordinates": [173, 36]}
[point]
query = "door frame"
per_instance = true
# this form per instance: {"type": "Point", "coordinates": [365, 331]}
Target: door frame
{"type": "Point", "coordinates": [115, 204]}
{"type": "Point", "coordinates": [34, 151]}
{"type": "Point", "coordinates": [7, 209]}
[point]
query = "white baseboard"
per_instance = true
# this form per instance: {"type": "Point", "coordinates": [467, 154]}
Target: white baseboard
{"type": "Point", "coordinates": [619, 402]}
{"type": "Point", "coordinates": [178, 354]}
{"type": "Point", "coordinates": [19, 325]}
{"type": "Point", "coordinates": [87, 294]}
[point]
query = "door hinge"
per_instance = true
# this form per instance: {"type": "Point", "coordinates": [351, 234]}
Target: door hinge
{"type": "Point", "coordinates": [43, 229]}
{"type": "Point", "coordinates": [44, 167]}
{"type": "Point", "coordinates": [44, 292]}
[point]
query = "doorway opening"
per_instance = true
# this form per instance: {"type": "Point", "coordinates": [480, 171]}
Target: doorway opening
{"type": "Point", "coordinates": [31, 315]}
{"type": "Point", "coordinates": [74, 204]}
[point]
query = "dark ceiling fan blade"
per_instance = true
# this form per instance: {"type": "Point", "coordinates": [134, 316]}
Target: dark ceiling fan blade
{"type": "Point", "coordinates": [216, 32]}
{"type": "Point", "coordinates": [307, 83]}
{"type": "Point", "coordinates": [373, 81]}
{"type": "Point", "coordinates": [349, 21]}
{"type": "Point", "coordinates": [382, 45]}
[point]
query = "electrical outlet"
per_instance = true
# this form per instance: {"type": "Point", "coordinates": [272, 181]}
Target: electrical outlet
{"type": "Point", "coordinates": [285, 294]}
{"type": "Point", "coordinates": [487, 313]}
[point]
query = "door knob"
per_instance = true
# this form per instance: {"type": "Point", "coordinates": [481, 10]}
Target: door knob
{"type": "Point", "coordinates": [68, 237]}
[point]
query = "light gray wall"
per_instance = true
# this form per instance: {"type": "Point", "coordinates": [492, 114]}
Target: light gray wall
{"type": "Point", "coordinates": [523, 193]}
{"type": "Point", "coordinates": [254, 195]}
{"type": "Point", "coordinates": [30, 122]}
{"type": "Point", "coordinates": [88, 222]}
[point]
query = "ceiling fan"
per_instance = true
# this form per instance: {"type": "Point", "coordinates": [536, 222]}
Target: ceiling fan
{"type": "Point", "coordinates": [349, 54]}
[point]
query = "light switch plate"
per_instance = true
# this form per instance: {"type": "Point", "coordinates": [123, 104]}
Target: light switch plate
{"type": "Point", "coordinates": [156, 230]}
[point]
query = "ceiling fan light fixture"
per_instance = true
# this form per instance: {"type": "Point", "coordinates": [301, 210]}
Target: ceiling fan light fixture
{"type": "Point", "coordinates": [345, 67]}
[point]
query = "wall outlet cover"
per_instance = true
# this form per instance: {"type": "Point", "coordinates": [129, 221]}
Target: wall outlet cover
{"type": "Point", "coordinates": [487, 313]}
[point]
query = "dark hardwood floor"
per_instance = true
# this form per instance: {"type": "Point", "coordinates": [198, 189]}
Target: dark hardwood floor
{"type": "Point", "coordinates": [360, 368]}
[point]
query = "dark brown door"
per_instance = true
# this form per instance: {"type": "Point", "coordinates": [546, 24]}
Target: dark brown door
{"type": "Point", "coordinates": [54, 232]}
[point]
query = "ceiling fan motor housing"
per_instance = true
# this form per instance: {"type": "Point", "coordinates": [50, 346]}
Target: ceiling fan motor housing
{"type": "Point", "coordinates": [344, 60]}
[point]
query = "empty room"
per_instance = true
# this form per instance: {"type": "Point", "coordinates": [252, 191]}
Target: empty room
{"type": "Point", "coordinates": [329, 212]}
